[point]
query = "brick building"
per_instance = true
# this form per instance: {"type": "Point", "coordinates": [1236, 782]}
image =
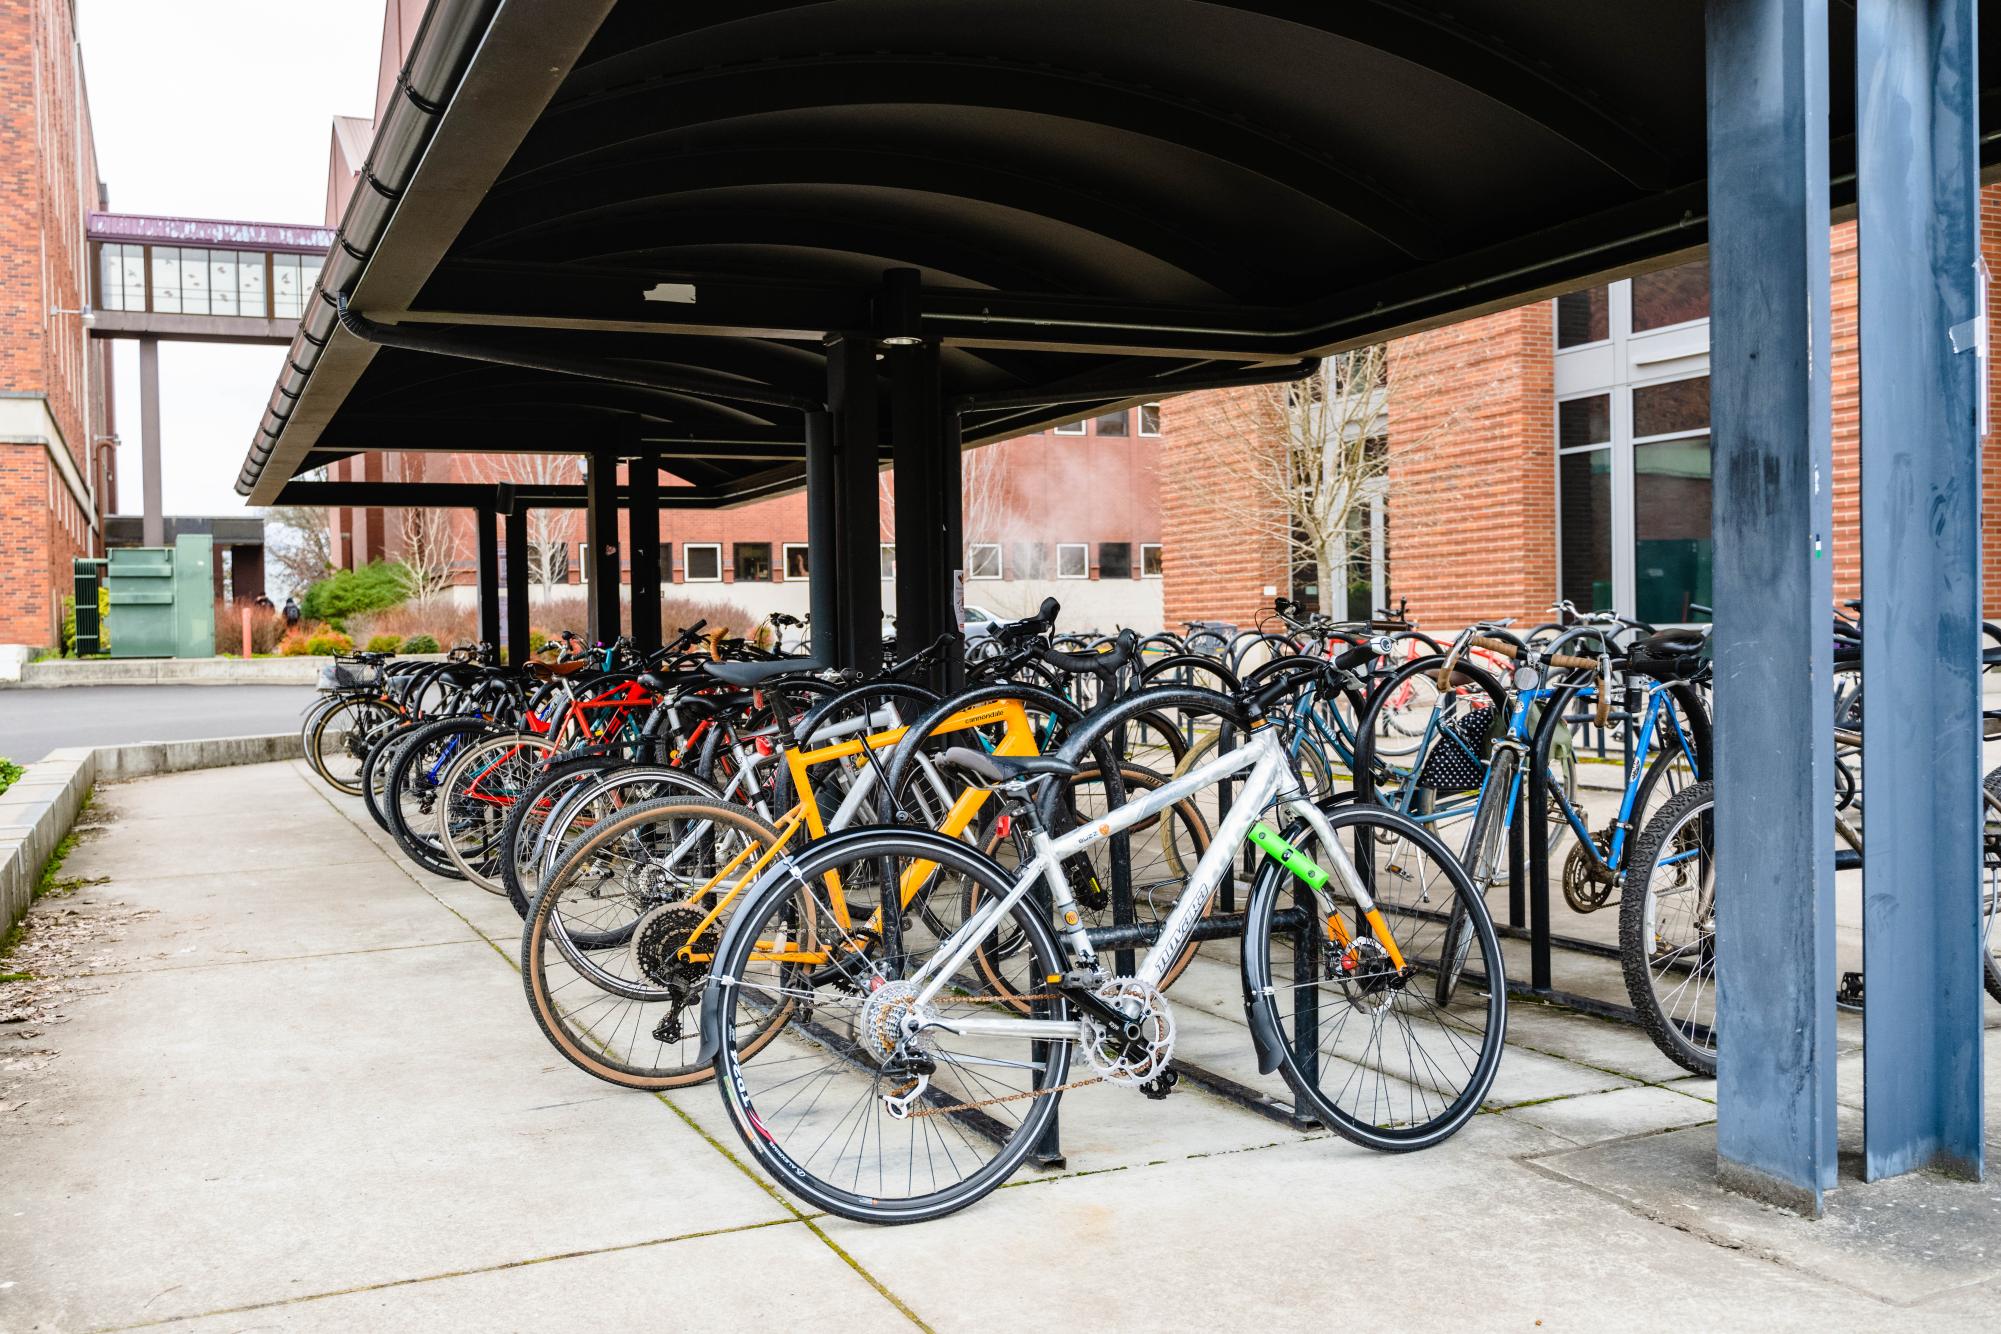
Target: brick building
{"type": "Point", "coordinates": [1559, 449]}
{"type": "Point", "coordinates": [55, 460]}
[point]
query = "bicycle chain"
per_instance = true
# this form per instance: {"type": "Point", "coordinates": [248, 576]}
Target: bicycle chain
{"type": "Point", "coordinates": [1005, 1097]}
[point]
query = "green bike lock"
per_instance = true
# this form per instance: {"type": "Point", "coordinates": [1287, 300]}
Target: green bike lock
{"type": "Point", "coordinates": [1290, 858]}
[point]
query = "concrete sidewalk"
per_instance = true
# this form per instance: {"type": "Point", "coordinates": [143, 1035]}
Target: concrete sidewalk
{"type": "Point", "coordinates": [278, 1079]}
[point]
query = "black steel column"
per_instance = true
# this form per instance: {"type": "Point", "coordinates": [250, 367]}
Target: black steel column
{"type": "Point", "coordinates": [822, 546]}
{"type": "Point", "coordinates": [601, 540]}
{"type": "Point", "coordinates": [851, 400]}
{"type": "Point", "coordinates": [642, 526]}
{"type": "Point", "coordinates": [927, 499]}
{"type": "Point", "coordinates": [489, 575]}
{"type": "Point", "coordinates": [1918, 200]}
{"type": "Point", "coordinates": [1770, 423]}
{"type": "Point", "coordinates": [517, 583]}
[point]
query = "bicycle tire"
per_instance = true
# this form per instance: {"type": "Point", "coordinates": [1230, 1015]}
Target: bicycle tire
{"type": "Point", "coordinates": [1689, 1043]}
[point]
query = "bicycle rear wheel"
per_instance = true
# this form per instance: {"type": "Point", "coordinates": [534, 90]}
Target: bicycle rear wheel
{"type": "Point", "coordinates": [1366, 1049]}
{"type": "Point", "coordinates": [601, 954]}
{"type": "Point", "coordinates": [1667, 928]}
{"type": "Point", "coordinates": [813, 1105]}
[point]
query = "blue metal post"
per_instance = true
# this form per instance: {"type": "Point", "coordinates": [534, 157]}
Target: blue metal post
{"type": "Point", "coordinates": [1770, 421]}
{"type": "Point", "coordinates": [1917, 108]}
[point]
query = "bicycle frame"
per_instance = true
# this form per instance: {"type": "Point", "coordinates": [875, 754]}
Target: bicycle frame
{"type": "Point", "coordinates": [1270, 778]}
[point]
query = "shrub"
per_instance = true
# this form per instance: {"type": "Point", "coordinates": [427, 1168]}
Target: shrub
{"type": "Point", "coordinates": [293, 644]}
{"type": "Point", "coordinates": [421, 644]}
{"type": "Point", "coordinates": [345, 593]}
{"type": "Point", "coordinates": [328, 643]}
{"type": "Point", "coordinates": [267, 627]}
{"type": "Point", "coordinates": [440, 618]}
{"type": "Point", "coordinates": [385, 644]}
{"type": "Point", "coordinates": [536, 640]}
{"type": "Point", "coordinates": [9, 771]}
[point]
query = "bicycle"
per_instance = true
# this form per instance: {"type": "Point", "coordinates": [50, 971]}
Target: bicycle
{"type": "Point", "coordinates": [958, 1045]}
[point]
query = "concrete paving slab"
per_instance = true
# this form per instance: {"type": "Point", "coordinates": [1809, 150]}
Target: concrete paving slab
{"type": "Point", "coordinates": [1460, 1237]}
{"type": "Point", "coordinates": [1530, 1076]}
{"type": "Point", "coordinates": [213, 1137]}
{"type": "Point", "coordinates": [1594, 1117]}
{"type": "Point", "coordinates": [749, 1281]}
{"type": "Point", "coordinates": [1906, 1241]}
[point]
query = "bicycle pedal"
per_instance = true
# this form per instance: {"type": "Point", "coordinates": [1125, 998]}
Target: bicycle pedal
{"type": "Point", "coordinates": [1850, 990]}
{"type": "Point", "coordinates": [1161, 1084]}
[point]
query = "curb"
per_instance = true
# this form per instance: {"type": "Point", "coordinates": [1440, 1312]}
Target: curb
{"type": "Point", "coordinates": [57, 673]}
{"type": "Point", "coordinates": [38, 810]}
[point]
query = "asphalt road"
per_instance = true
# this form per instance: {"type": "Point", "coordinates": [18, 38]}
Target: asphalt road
{"type": "Point", "coordinates": [35, 722]}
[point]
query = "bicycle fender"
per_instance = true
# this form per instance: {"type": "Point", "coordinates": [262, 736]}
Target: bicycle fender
{"type": "Point", "coordinates": [832, 845]}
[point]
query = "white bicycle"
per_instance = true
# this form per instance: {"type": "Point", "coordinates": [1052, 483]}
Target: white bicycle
{"type": "Point", "coordinates": [916, 1066]}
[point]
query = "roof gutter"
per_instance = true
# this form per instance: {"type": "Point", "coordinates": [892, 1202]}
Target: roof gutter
{"type": "Point", "coordinates": [450, 33]}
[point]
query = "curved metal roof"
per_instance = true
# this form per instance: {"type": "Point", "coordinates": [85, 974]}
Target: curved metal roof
{"type": "Point", "coordinates": [1094, 192]}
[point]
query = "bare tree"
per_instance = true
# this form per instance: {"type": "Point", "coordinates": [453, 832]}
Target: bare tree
{"type": "Point", "coordinates": [299, 544]}
{"type": "Point", "coordinates": [433, 549]}
{"type": "Point", "coordinates": [549, 530]}
{"type": "Point", "coordinates": [1306, 458]}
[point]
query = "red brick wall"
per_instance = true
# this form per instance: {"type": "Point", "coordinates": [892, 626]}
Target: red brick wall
{"type": "Point", "coordinates": [47, 179]}
{"type": "Point", "coordinates": [1472, 489]}
{"type": "Point", "coordinates": [1215, 562]}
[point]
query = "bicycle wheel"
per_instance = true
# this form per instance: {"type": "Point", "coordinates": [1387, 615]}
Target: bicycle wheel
{"type": "Point", "coordinates": [814, 1105]}
{"type": "Point", "coordinates": [338, 737]}
{"type": "Point", "coordinates": [601, 954]}
{"type": "Point", "coordinates": [1990, 885]}
{"type": "Point", "coordinates": [1667, 929]}
{"type": "Point", "coordinates": [1482, 860]}
{"type": "Point", "coordinates": [1365, 1048]}
{"type": "Point", "coordinates": [481, 788]}
{"type": "Point", "coordinates": [410, 798]}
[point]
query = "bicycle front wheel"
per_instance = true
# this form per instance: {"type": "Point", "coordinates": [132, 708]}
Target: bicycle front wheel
{"type": "Point", "coordinates": [1367, 1048]}
{"type": "Point", "coordinates": [846, 1107]}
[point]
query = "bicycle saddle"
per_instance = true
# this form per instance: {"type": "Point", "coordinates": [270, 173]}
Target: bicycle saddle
{"type": "Point", "coordinates": [992, 770]}
{"type": "Point", "coordinates": [749, 674]}
{"type": "Point", "coordinates": [1668, 655]}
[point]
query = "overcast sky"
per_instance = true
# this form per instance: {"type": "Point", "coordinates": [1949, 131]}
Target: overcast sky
{"type": "Point", "coordinates": [217, 109]}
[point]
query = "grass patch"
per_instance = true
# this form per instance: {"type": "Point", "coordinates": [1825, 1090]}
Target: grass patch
{"type": "Point", "coordinates": [9, 772]}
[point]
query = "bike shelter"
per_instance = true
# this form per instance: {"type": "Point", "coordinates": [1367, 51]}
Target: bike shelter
{"type": "Point", "coordinates": [734, 256]}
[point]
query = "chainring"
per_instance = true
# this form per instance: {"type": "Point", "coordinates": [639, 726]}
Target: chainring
{"type": "Point", "coordinates": [1588, 884]}
{"type": "Point", "coordinates": [1113, 1056]}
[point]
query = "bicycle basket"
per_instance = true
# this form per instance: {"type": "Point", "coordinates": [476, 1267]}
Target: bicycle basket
{"type": "Point", "coordinates": [1458, 758]}
{"type": "Point", "coordinates": [342, 675]}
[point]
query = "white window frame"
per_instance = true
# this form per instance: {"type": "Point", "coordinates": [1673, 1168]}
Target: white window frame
{"type": "Point", "coordinates": [1071, 428]}
{"type": "Point", "coordinates": [1000, 560]}
{"type": "Point", "coordinates": [785, 550]}
{"type": "Point", "coordinates": [583, 562]}
{"type": "Point", "coordinates": [886, 560]}
{"type": "Point", "coordinates": [1084, 547]}
{"type": "Point", "coordinates": [1145, 547]}
{"type": "Point", "coordinates": [1630, 361]}
{"type": "Point", "coordinates": [1154, 434]}
{"type": "Point", "coordinates": [688, 575]}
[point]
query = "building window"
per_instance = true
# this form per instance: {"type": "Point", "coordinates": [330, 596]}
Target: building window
{"type": "Point", "coordinates": [666, 563]}
{"type": "Point", "coordinates": [702, 562]}
{"type": "Point", "coordinates": [1672, 552]}
{"type": "Point", "coordinates": [1149, 560]}
{"type": "Point", "coordinates": [166, 280]}
{"type": "Point", "coordinates": [887, 555]}
{"type": "Point", "coordinates": [1112, 423]}
{"type": "Point", "coordinates": [1070, 428]}
{"type": "Point", "coordinates": [796, 563]}
{"type": "Point", "coordinates": [1115, 560]}
{"type": "Point", "coordinates": [1583, 317]}
{"type": "Point", "coordinates": [1149, 419]}
{"type": "Point", "coordinates": [1073, 560]}
{"type": "Point", "coordinates": [1031, 560]}
{"type": "Point", "coordinates": [752, 561]}
{"type": "Point", "coordinates": [1672, 296]}
{"type": "Point", "coordinates": [121, 279]}
{"type": "Point", "coordinates": [983, 560]}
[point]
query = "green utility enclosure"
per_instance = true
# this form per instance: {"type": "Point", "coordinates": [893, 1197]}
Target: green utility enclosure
{"type": "Point", "coordinates": [162, 599]}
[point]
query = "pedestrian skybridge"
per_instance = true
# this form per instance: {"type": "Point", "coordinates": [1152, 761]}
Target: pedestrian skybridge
{"type": "Point", "coordinates": [201, 279]}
